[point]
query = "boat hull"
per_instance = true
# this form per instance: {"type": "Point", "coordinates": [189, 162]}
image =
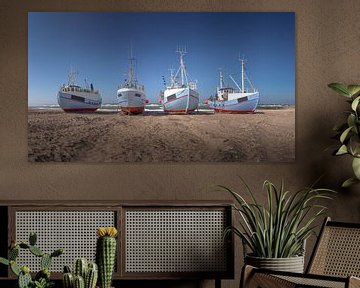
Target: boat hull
{"type": "Point", "coordinates": [246, 103]}
{"type": "Point", "coordinates": [79, 101]}
{"type": "Point", "coordinates": [131, 101]}
{"type": "Point", "coordinates": [183, 100]}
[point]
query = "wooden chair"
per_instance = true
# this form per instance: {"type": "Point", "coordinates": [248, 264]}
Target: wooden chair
{"type": "Point", "coordinates": [335, 262]}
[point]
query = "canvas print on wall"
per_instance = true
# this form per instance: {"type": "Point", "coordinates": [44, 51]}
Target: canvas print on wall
{"type": "Point", "coordinates": [161, 87]}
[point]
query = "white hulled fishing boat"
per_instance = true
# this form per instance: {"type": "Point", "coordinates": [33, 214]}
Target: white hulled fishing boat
{"type": "Point", "coordinates": [229, 100]}
{"type": "Point", "coordinates": [74, 98]}
{"type": "Point", "coordinates": [180, 97]}
{"type": "Point", "coordinates": [131, 95]}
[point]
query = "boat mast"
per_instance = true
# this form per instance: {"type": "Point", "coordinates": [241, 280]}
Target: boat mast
{"type": "Point", "coordinates": [242, 75]}
{"type": "Point", "coordinates": [131, 68]}
{"type": "Point", "coordinates": [182, 52]}
{"type": "Point", "coordinates": [221, 79]}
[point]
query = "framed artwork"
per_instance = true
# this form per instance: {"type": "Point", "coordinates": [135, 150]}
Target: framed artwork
{"type": "Point", "coordinates": [158, 87]}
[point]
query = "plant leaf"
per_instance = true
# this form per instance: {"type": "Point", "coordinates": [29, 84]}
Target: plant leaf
{"type": "Point", "coordinates": [345, 134]}
{"type": "Point", "coordinates": [340, 88]}
{"type": "Point", "coordinates": [354, 145]}
{"type": "Point", "coordinates": [355, 103]}
{"type": "Point", "coordinates": [351, 120]}
{"type": "Point", "coordinates": [342, 150]}
{"type": "Point", "coordinates": [356, 167]}
{"type": "Point", "coordinates": [349, 182]}
{"type": "Point", "coordinates": [353, 90]}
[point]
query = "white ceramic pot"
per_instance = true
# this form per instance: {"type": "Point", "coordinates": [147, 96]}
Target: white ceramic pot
{"type": "Point", "coordinates": [291, 264]}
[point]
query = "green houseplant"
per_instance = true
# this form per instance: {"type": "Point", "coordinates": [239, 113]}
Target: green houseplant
{"type": "Point", "coordinates": [279, 229]}
{"type": "Point", "coordinates": [348, 132]}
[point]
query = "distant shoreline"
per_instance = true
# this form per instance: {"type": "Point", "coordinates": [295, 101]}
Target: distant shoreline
{"type": "Point", "coordinates": [153, 107]}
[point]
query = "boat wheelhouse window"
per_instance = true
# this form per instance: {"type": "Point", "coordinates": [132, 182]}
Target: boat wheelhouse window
{"type": "Point", "coordinates": [171, 97]}
{"type": "Point", "coordinates": [119, 95]}
{"type": "Point", "coordinates": [77, 98]}
{"type": "Point", "coordinates": [137, 95]}
{"type": "Point", "coordinates": [242, 99]}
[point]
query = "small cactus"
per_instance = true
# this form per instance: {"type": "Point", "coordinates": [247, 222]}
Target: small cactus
{"type": "Point", "coordinates": [79, 282]}
{"type": "Point", "coordinates": [13, 253]}
{"type": "Point", "coordinates": [68, 280]}
{"type": "Point", "coordinates": [36, 251]}
{"type": "Point", "coordinates": [67, 269]}
{"type": "Point", "coordinates": [32, 239]}
{"type": "Point", "coordinates": [45, 261]}
{"type": "Point", "coordinates": [89, 272]}
{"type": "Point", "coordinates": [80, 268]}
{"type": "Point", "coordinates": [57, 252]}
{"type": "Point", "coordinates": [106, 254]}
{"type": "Point", "coordinates": [24, 278]}
{"type": "Point", "coordinates": [14, 268]}
{"type": "Point", "coordinates": [91, 276]}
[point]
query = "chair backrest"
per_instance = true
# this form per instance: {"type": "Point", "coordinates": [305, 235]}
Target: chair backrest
{"type": "Point", "coordinates": [337, 251]}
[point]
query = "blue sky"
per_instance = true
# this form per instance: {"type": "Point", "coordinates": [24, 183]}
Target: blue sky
{"type": "Point", "coordinates": [97, 46]}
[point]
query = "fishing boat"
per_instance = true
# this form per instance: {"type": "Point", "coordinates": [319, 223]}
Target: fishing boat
{"type": "Point", "coordinates": [229, 100]}
{"type": "Point", "coordinates": [181, 95]}
{"type": "Point", "coordinates": [74, 98]}
{"type": "Point", "coordinates": [131, 95]}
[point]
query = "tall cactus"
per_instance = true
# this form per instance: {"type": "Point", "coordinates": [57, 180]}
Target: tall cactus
{"type": "Point", "coordinates": [106, 254]}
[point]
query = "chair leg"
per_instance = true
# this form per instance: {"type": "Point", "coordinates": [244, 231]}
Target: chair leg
{"type": "Point", "coordinates": [246, 273]}
{"type": "Point", "coordinates": [217, 283]}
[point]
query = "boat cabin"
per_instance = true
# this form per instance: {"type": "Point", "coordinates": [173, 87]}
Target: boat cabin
{"type": "Point", "coordinates": [222, 93]}
{"type": "Point", "coordinates": [75, 88]}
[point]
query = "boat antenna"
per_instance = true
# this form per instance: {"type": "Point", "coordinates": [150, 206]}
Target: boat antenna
{"type": "Point", "coordinates": [72, 76]}
{"type": "Point", "coordinates": [182, 51]}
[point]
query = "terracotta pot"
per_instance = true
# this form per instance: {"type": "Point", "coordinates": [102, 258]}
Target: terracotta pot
{"type": "Point", "coordinates": [291, 264]}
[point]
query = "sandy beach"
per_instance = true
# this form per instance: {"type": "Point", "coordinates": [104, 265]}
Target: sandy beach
{"type": "Point", "coordinates": [268, 135]}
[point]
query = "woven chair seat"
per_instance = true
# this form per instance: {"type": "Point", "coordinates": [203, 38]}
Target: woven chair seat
{"type": "Point", "coordinates": [335, 262]}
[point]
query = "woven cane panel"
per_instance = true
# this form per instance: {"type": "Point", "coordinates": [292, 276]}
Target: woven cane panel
{"type": "Point", "coordinates": [308, 282]}
{"type": "Point", "coordinates": [338, 253]}
{"type": "Point", "coordinates": [175, 241]}
{"type": "Point", "coordinates": [74, 231]}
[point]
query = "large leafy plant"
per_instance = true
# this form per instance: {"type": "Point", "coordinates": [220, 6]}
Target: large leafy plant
{"type": "Point", "coordinates": [279, 229]}
{"type": "Point", "coordinates": [348, 132]}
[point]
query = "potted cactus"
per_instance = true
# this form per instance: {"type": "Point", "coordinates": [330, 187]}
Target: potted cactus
{"type": "Point", "coordinates": [42, 278]}
{"type": "Point", "coordinates": [84, 275]}
{"type": "Point", "coordinates": [106, 254]}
